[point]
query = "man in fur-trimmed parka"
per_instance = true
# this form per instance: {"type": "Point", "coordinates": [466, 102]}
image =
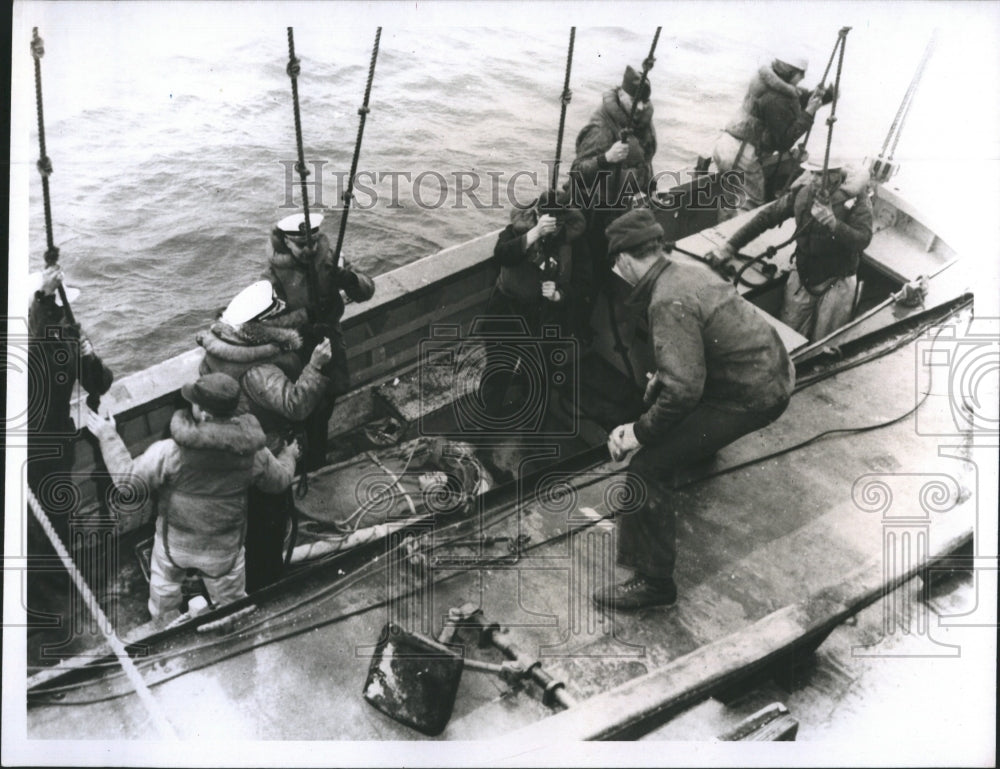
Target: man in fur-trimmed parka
{"type": "Point", "coordinates": [201, 475]}
{"type": "Point", "coordinates": [771, 119]}
{"type": "Point", "coordinates": [252, 343]}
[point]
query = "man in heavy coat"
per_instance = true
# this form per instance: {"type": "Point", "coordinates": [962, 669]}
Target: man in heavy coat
{"type": "Point", "coordinates": [832, 229]}
{"type": "Point", "coordinates": [316, 310]}
{"type": "Point", "coordinates": [614, 160]}
{"type": "Point", "coordinates": [545, 274]}
{"type": "Point", "coordinates": [721, 372]}
{"type": "Point", "coordinates": [771, 118]}
{"type": "Point", "coordinates": [252, 343]}
{"type": "Point", "coordinates": [201, 474]}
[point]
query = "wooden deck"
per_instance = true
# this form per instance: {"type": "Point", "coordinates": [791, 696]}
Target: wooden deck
{"type": "Point", "coordinates": [769, 555]}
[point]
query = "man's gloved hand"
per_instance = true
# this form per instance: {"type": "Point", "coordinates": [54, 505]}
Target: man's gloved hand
{"type": "Point", "coordinates": [815, 102]}
{"type": "Point", "coordinates": [321, 354]}
{"type": "Point", "coordinates": [913, 293]}
{"type": "Point", "coordinates": [621, 441]}
{"type": "Point", "coordinates": [103, 429]}
{"type": "Point", "coordinates": [719, 259]}
{"type": "Point", "coordinates": [617, 152]}
{"type": "Point", "coordinates": [823, 214]}
{"type": "Point", "coordinates": [52, 276]}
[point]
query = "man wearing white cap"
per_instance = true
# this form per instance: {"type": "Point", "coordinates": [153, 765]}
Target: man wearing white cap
{"type": "Point", "coordinates": [316, 310]}
{"type": "Point", "coordinates": [770, 119]}
{"type": "Point", "coordinates": [251, 343]}
{"type": "Point", "coordinates": [830, 236]}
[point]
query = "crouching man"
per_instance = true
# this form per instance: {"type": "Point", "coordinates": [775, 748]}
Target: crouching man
{"type": "Point", "coordinates": [202, 474]}
{"type": "Point", "coordinates": [721, 372]}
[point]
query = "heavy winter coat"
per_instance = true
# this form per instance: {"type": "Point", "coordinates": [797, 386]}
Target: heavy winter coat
{"type": "Point", "coordinates": [202, 474]}
{"type": "Point", "coordinates": [319, 315]}
{"type": "Point", "coordinates": [273, 385]}
{"type": "Point", "coordinates": [561, 258]}
{"type": "Point", "coordinates": [710, 346]}
{"type": "Point", "coordinates": [771, 117]}
{"type": "Point", "coordinates": [590, 168]}
{"type": "Point", "coordinates": [54, 355]}
{"type": "Point", "coordinates": [820, 254]}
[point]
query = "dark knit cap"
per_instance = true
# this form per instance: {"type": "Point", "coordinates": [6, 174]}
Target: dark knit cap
{"type": "Point", "coordinates": [632, 229]}
{"type": "Point", "coordinates": [630, 84]}
{"type": "Point", "coordinates": [218, 393]}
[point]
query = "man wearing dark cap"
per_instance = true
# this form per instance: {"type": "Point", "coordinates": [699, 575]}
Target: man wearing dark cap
{"type": "Point", "coordinates": [544, 269]}
{"type": "Point", "coordinates": [316, 310]}
{"type": "Point", "coordinates": [202, 473]}
{"type": "Point", "coordinates": [613, 163]}
{"type": "Point", "coordinates": [773, 115]}
{"type": "Point", "coordinates": [721, 372]}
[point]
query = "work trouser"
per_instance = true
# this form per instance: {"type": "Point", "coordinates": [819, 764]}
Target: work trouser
{"type": "Point", "coordinates": [223, 575]}
{"type": "Point", "coordinates": [647, 523]}
{"type": "Point", "coordinates": [267, 520]}
{"type": "Point", "coordinates": [818, 311]}
{"type": "Point", "coordinates": [732, 154]}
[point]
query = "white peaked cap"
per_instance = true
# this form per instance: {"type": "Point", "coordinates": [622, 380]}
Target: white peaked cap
{"type": "Point", "coordinates": [295, 224]}
{"type": "Point", "coordinates": [250, 303]}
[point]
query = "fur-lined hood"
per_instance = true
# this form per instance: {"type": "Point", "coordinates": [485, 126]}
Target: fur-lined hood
{"type": "Point", "coordinates": [241, 435]}
{"type": "Point", "coordinates": [252, 341]}
{"type": "Point", "coordinates": [767, 80]}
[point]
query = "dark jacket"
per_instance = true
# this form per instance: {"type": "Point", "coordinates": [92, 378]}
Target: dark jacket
{"type": "Point", "coordinates": [319, 316]}
{"type": "Point", "coordinates": [274, 387]}
{"type": "Point", "coordinates": [202, 474]}
{"type": "Point", "coordinates": [560, 258]}
{"type": "Point", "coordinates": [820, 254]}
{"type": "Point", "coordinates": [771, 117]}
{"type": "Point", "coordinates": [710, 345]}
{"type": "Point", "coordinates": [54, 362]}
{"type": "Point", "coordinates": [592, 176]}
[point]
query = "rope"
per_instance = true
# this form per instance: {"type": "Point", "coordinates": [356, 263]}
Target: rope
{"type": "Point", "coordinates": [825, 192]}
{"type": "Point", "coordinates": [293, 70]}
{"type": "Point", "coordinates": [566, 97]}
{"type": "Point", "coordinates": [904, 107]}
{"type": "Point", "coordinates": [117, 647]}
{"type": "Point", "coordinates": [841, 39]}
{"type": "Point", "coordinates": [363, 113]}
{"type": "Point", "coordinates": [45, 168]}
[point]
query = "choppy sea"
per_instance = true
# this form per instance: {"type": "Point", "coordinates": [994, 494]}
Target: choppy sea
{"type": "Point", "coordinates": [171, 132]}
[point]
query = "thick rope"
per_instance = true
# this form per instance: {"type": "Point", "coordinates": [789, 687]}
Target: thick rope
{"type": "Point", "coordinates": [104, 624]}
{"type": "Point", "coordinates": [363, 115]}
{"type": "Point", "coordinates": [841, 37]}
{"type": "Point", "coordinates": [293, 70]}
{"type": "Point", "coordinates": [567, 96]}
{"type": "Point", "coordinates": [45, 168]}
{"type": "Point", "coordinates": [896, 130]}
{"type": "Point", "coordinates": [825, 191]}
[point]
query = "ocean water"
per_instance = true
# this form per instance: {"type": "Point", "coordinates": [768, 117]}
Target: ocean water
{"type": "Point", "coordinates": [171, 131]}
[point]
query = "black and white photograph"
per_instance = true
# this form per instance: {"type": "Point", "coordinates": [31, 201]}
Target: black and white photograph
{"type": "Point", "coordinates": [502, 383]}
